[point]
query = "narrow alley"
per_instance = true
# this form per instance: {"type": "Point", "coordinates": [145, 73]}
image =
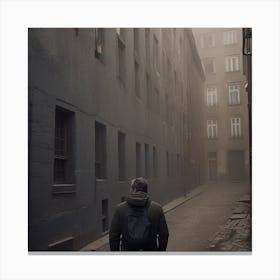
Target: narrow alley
{"type": "Point", "coordinates": [193, 223]}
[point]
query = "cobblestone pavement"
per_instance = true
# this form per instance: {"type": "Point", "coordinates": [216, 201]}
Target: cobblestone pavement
{"type": "Point", "coordinates": [235, 235]}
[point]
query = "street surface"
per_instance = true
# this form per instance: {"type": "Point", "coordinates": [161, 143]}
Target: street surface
{"type": "Point", "coordinates": [194, 223]}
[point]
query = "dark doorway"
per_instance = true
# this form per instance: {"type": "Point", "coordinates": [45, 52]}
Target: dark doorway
{"type": "Point", "coordinates": [236, 165]}
{"type": "Point", "coordinates": [212, 162]}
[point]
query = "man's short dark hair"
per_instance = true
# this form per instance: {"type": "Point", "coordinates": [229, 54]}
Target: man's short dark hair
{"type": "Point", "coordinates": [139, 184]}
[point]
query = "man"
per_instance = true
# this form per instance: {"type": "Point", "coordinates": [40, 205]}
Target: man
{"type": "Point", "coordinates": [138, 223]}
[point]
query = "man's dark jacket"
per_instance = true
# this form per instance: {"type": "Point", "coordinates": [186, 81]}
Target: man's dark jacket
{"type": "Point", "coordinates": [159, 230]}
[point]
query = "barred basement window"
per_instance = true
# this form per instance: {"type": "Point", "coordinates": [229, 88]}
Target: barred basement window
{"type": "Point", "coordinates": [63, 147]}
{"type": "Point", "coordinates": [100, 151]}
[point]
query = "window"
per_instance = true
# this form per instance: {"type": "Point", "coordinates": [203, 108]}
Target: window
{"type": "Point", "coordinates": [147, 162]}
{"type": "Point", "coordinates": [230, 37]}
{"type": "Point", "coordinates": [209, 65]}
{"type": "Point", "coordinates": [99, 42]}
{"type": "Point", "coordinates": [167, 164]}
{"type": "Point", "coordinates": [138, 160]}
{"type": "Point", "coordinates": [234, 94]}
{"type": "Point", "coordinates": [156, 55]}
{"type": "Point", "coordinates": [121, 156]}
{"type": "Point", "coordinates": [136, 79]}
{"type": "Point", "coordinates": [63, 147]}
{"type": "Point", "coordinates": [212, 129]}
{"type": "Point", "coordinates": [212, 96]}
{"type": "Point", "coordinates": [154, 162]}
{"type": "Point", "coordinates": [121, 61]}
{"type": "Point", "coordinates": [232, 63]}
{"type": "Point", "coordinates": [104, 215]}
{"type": "Point", "coordinates": [100, 151]}
{"type": "Point", "coordinates": [148, 43]}
{"type": "Point", "coordinates": [235, 127]}
{"type": "Point", "coordinates": [207, 40]}
{"type": "Point", "coordinates": [136, 40]}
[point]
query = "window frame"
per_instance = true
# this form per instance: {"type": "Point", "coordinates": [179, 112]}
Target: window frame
{"type": "Point", "coordinates": [212, 128]}
{"type": "Point", "coordinates": [236, 128]}
{"type": "Point", "coordinates": [230, 65]}
{"type": "Point", "coordinates": [232, 92]}
{"type": "Point", "coordinates": [211, 96]}
{"type": "Point", "coordinates": [230, 37]}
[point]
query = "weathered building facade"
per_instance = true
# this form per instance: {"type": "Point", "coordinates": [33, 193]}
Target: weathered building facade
{"type": "Point", "coordinates": [105, 106]}
{"type": "Point", "coordinates": [226, 114]}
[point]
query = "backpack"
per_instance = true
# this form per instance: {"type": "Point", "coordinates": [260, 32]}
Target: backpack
{"type": "Point", "coordinates": [138, 232]}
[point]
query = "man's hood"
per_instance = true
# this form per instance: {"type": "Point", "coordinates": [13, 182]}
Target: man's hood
{"type": "Point", "coordinates": [138, 199]}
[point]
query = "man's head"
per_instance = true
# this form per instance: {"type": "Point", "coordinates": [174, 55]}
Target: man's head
{"type": "Point", "coordinates": [139, 185]}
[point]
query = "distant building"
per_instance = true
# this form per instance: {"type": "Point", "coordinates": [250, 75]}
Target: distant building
{"type": "Point", "coordinates": [226, 114]}
{"type": "Point", "coordinates": [106, 105]}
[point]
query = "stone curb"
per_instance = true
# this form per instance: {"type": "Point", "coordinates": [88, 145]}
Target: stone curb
{"type": "Point", "coordinates": [93, 246]}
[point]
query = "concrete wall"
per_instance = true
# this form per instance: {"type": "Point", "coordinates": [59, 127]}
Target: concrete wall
{"type": "Point", "coordinates": [64, 72]}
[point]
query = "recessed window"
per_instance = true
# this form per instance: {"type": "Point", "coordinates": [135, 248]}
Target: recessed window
{"type": "Point", "coordinates": [104, 215]}
{"type": "Point", "coordinates": [147, 162]}
{"type": "Point", "coordinates": [207, 40]}
{"type": "Point", "coordinates": [212, 129]}
{"type": "Point", "coordinates": [100, 151]}
{"type": "Point", "coordinates": [234, 94]}
{"type": "Point", "coordinates": [138, 160]}
{"type": "Point", "coordinates": [121, 156]}
{"type": "Point", "coordinates": [230, 37]}
{"type": "Point", "coordinates": [99, 42]}
{"type": "Point", "coordinates": [154, 162]}
{"type": "Point", "coordinates": [232, 63]}
{"type": "Point", "coordinates": [63, 147]}
{"type": "Point", "coordinates": [211, 96]}
{"type": "Point", "coordinates": [209, 65]}
{"type": "Point", "coordinates": [121, 70]}
{"type": "Point", "coordinates": [235, 127]}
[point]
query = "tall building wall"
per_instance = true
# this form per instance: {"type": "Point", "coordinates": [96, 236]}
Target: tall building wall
{"type": "Point", "coordinates": [105, 105]}
{"type": "Point", "coordinates": [224, 47]}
